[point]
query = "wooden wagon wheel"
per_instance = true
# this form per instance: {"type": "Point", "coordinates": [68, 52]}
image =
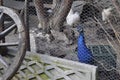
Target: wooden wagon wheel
{"type": "Point", "coordinates": [15, 43]}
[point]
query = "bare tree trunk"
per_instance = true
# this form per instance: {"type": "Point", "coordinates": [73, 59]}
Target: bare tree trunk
{"type": "Point", "coordinates": [43, 19]}
{"type": "Point", "coordinates": [60, 12]}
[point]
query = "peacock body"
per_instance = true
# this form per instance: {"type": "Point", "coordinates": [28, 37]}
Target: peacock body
{"type": "Point", "coordinates": [84, 54]}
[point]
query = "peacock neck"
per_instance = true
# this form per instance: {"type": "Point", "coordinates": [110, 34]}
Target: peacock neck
{"type": "Point", "coordinates": [81, 39]}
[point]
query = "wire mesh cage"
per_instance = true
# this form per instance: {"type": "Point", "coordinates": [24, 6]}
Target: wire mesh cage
{"type": "Point", "coordinates": [103, 36]}
{"type": "Point", "coordinates": [101, 20]}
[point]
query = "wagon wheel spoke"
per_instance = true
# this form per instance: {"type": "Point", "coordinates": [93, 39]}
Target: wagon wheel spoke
{"type": "Point", "coordinates": [9, 44]}
{"type": "Point", "coordinates": [1, 15]}
{"type": "Point", "coordinates": [3, 62]}
{"type": "Point", "coordinates": [7, 31]}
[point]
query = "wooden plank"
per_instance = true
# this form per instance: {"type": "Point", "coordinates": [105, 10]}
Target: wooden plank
{"type": "Point", "coordinates": [14, 4]}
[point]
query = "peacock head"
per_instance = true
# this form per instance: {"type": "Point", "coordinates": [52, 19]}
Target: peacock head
{"type": "Point", "coordinates": [80, 29]}
{"type": "Point", "coordinates": [81, 34]}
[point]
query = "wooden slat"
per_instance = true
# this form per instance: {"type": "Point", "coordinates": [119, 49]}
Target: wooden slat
{"type": "Point", "coordinates": [14, 4]}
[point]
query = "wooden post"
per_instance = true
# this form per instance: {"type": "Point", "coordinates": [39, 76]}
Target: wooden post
{"type": "Point", "coordinates": [1, 2]}
{"type": "Point", "coordinates": [26, 21]}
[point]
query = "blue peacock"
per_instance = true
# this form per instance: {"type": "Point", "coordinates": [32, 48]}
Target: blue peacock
{"type": "Point", "coordinates": [84, 54]}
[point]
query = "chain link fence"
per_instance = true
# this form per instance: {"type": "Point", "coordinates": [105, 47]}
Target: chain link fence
{"type": "Point", "coordinates": [102, 37]}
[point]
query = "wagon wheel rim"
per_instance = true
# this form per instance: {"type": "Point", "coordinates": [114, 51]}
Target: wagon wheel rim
{"type": "Point", "coordinates": [12, 69]}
